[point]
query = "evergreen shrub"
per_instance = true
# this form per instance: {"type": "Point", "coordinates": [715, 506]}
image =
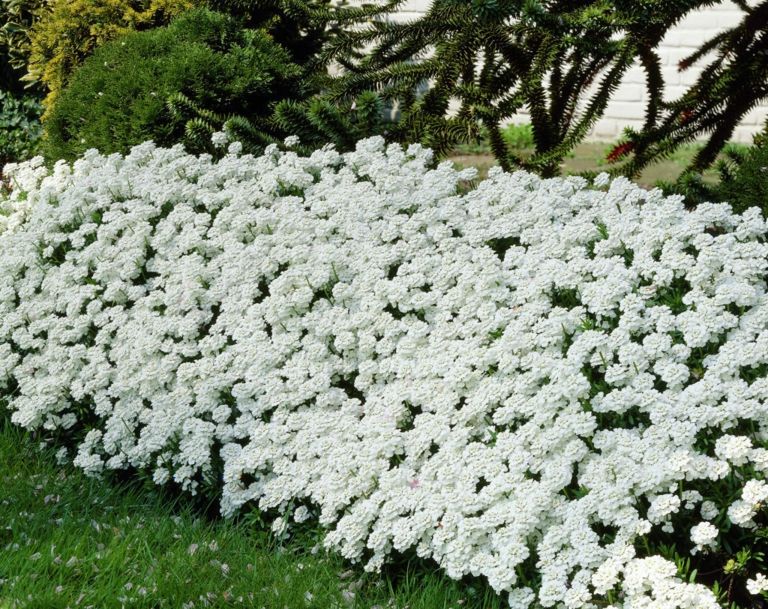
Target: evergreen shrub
{"type": "Point", "coordinates": [118, 98]}
{"type": "Point", "coordinates": [744, 176]}
{"type": "Point", "coordinates": [16, 19]}
{"type": "Point", "coordinates": [65, 32]}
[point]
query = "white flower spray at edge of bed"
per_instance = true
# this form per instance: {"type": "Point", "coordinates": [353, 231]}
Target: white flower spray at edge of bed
{"type": "Point", "coordinates": [494, 379]}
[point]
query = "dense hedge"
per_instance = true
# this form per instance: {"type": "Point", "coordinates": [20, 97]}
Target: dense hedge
{"type": "Point", "coordinates": [557, 386]}
{"type": "Point", "coordinates": [64, 33]}
{"type": "Point", "coordinates": [118, 98]}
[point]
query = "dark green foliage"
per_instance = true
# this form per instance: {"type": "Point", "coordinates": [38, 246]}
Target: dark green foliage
{"type": "Point", "coordinates": [194, 78]}
{"type": "Point", "coordinates": [743, 179]}
{"type": "Point", "coordinates": [318, 122]}
{"type": "Point", "coordinates": [744, 176]}
{"type": "Point", "coordinates": [692, 186]}
{"type": "Point", "coordinates": [558, 60]}
{"type": "Point", "coordinates": [302, 27]}
{"type": "Point", "coordinates": [20, 128]}
{"type": "Point", "coordinates": [291, 24]}
{"type": "Point", "coordinates": [315, 121]}
{"type": "Point", "coordinates": [201, 123]}
{"type": "Point", "coordinates": [16, 18]}
{"type": "Point", "coordinates": [734, 82]}
{"type": "Point", "coordinates": [118, 98]}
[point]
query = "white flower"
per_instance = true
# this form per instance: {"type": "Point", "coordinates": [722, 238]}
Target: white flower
{"type": "Point", "coordinates": [62, 456]}
{"type": "Point", "coordinates": [521, 598]}
{"type": "Point", "coordinates": [735, 449]}
{"type": "Point", "coordinates": [755, 492]}
{"type": "Point", "coordinates": [753, 496]}
{"type": "Point", "coordinates": [709, 510]}
{"type": "Point", "coordinates": [704, 536]}
{"type": "Point", "coordinates": [279, 526]}
{"type": "Point", "coordinates": [301, 514]}
{"type": "Point", "coordinates": [602, 179]}
{"type": "Point", "coordinates": [758, 585]}
{"type": "Point", "coordinates": [662, 507]}
{"type": "Point", "coordinates": [219, 139]}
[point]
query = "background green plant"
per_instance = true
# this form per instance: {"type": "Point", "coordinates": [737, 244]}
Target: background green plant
{"type": "Point", "coordinates": [744, 176]}
{"type": "Point", "coordinates": [16, 19]}
{"type": "Point", "coordinates": [65, 32]}
{"type": "Point", "coordinates": [20, 129]}
{"type": "Point", "coordinates": [118, 97]}
{"type": "Point", "coordinates": [740, 178]}
{"type": "Point", "coordinates": [303, 28]}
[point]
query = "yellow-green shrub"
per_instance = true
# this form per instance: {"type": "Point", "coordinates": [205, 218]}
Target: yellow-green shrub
{"type": "Point", "coordinates": [68, 31]}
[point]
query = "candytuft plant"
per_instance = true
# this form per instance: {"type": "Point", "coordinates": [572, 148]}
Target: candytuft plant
{"type": "Point", "coordinates": [558, 386]}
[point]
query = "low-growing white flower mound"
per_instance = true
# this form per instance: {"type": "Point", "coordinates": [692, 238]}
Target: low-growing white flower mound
{"type": "Point", "coordinates": [521, 382]}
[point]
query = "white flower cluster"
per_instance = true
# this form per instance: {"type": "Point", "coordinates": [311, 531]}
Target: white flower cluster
{"type": "Point", "coordinates": [650, 583]}
{"type": "Point", "coordinates": [511, 381]}
{"type": "Point", "coordinates": [758, 585]}
{"type": "Point", "coordinates": [753, 497]}
{"type": "Point", "coordinates": [25, 178]}
{"type": "Point", "coordinates": [704, 536]}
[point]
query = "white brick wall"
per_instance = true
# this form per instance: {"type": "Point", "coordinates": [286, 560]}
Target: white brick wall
{"type": "Point", "coordinates": [626, 107]}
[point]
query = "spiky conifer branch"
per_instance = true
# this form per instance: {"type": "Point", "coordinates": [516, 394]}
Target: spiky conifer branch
{"type": "Point", "coordinates": [468, 65]}
{"type": "Point", "coordinates": [733, 83]}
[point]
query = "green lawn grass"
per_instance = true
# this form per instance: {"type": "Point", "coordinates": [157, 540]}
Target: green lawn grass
{"type": "Point", "coordinates": [587, 156]}
{"type": "Point", "coordinates": [69, 541]}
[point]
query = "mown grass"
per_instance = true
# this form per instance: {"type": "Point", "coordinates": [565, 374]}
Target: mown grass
{"type": "Point", "coordinates": [69, 541]}
{"type": "Point", "coordinates": [586, 157]}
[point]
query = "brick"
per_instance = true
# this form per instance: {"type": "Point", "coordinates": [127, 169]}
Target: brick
{"type": "Point", "coordinates": [416, 6]}
{"type": "Point", "coordinates": [706, 20]}
{"type": "Point", "coordinates": [689, 76]}
{"type": "Point", "coordinates": [605, 128]}
{"type": "Point", "coordinates": [744, 133]}
{"type": "Point", "coordinates": [690, 39]}
{"type": "Point", "coordinates": [629, 93]}
{"type": "Point", "coordinates": [634, 75]}
{"type": "Point", "coordinates": [624, 110]}
{"type": "Point", "coordinates": [671, 75]}
{"type": "Point", "coordinates": [521, 117]}
{"type": "Point", "coordinates": [672, 56]}
{"type": "Point", "coordinates": [674, 91]}
{"type": "Point", "coordinates": [756, 116]}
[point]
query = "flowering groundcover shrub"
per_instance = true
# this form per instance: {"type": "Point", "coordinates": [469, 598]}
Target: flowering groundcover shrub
{"type": "Point", "coordinates": [558, 387]}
